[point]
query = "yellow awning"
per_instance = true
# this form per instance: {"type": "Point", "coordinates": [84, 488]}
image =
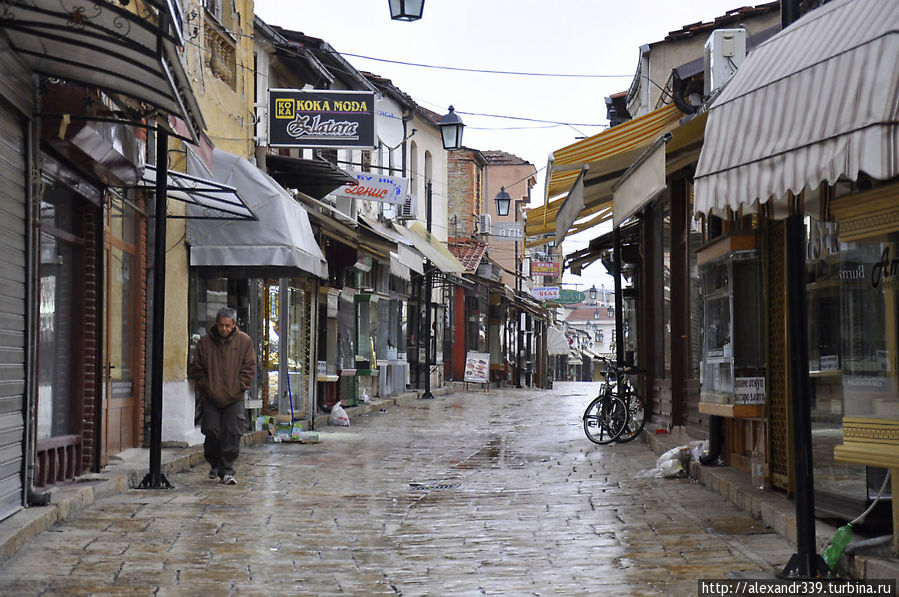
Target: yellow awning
{"type": "Point", "coordinates": [632, 134]}
{"type": "Point", "coordinates": [608, 155]}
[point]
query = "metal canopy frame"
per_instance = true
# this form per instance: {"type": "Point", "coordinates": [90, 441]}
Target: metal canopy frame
{"type": "Point", "coordinates": [218, 201]}
{"type": "Point", "coordinates": [101, 44]}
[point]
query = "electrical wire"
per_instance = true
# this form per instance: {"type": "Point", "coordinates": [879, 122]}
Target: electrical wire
{"type": "Point", "coordinates": [485, 71]}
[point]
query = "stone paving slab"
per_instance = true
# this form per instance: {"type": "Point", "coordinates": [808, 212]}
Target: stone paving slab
{"type": "Point", "coordinates": [467, 494]}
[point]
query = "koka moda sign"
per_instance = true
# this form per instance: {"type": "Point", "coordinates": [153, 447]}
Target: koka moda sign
{"type": "Point", "coordinates": [344, 119]}
{"type": "Point", "coordinates": [376, 187]}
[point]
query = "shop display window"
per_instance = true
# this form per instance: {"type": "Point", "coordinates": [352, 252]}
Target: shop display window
{"type": "Point", "coordinates": [346, 332]}
{"type": "Point", "coordinates": [372, 335]}
{"type": "Point", "coordinates": [733, 365]}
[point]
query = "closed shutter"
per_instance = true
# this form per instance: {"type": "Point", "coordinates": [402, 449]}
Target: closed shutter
{"type": "Point", "coordinates": [12, 308]}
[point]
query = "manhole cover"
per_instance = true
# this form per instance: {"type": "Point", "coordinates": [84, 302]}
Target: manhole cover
{"type": "Point", "coordinates": [433, 486]}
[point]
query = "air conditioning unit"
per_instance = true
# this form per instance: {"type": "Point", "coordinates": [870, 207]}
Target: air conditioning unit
{"type": "Point", "coordinates": [407, 210]}
{"type": "Point", "coordinates": [485, 225]}
{"type": "Point", "coordinates": [725, 51]}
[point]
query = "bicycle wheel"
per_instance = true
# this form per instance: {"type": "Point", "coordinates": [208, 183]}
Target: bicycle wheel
{"type": "Point", "coordinates": [605, 419]}
{"type": "Point", "coordinates": [636, 415]}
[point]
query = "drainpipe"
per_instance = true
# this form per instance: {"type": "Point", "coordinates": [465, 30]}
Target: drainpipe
{"type": "Point", "coordinates": [716, 441]}
{"type": "Point", "coordinates": [33, 497]}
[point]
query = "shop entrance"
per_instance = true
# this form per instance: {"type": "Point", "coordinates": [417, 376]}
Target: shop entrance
{"type": "Point", "coordinates": [120, 390]}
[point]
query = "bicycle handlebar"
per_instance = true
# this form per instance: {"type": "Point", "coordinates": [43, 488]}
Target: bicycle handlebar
{"type": "Point", "coordinates": [625, 368]}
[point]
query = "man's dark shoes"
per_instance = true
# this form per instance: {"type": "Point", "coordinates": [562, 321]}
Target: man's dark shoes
{"type": "Point", "coordinates": [213, 474]}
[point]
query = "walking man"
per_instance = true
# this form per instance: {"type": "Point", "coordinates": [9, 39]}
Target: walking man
{"type": "Point", "coordinates": [224, 366]}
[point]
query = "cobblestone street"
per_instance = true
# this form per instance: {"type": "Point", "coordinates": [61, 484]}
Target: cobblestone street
{"type": "Point", "coordinates": [475, 493]}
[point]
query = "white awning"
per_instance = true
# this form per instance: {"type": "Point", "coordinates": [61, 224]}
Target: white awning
{"type": "Point", "coordinates": [281, 238]}
{"type": "Point", "coordinates": [556, 342]}
{"type": "Point", "coordinates": [642, 182]}
{"type": "Point", "coordinates": [405, 252]}
{"type": "Point", "coordinates": [432, 248]}
{"type": "Point", "coordinates": [398, 268]}
{"type": "Point", "coordinates": [816, 102]}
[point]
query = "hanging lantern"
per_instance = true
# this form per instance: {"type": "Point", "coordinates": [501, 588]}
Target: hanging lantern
{"type": "Point", "coordinates": [451, 129]}
{"type": "Point", "coordinates": [406, 10]}
{"type": "Point", "coordinates": [503, 201]}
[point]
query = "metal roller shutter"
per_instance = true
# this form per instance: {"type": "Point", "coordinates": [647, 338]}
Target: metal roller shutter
{"type": "Point", "coordinates": [12, 308]}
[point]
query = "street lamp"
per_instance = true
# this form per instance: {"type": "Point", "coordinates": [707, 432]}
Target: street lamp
{"type": "Point", "coordinates": [503, 201]}
{"type": "Point", "coordinates": [451, 129]}
{"type": "Point", "coordinates": [406, 10]}
{"type": "Point", "coordinates": [592, 292]}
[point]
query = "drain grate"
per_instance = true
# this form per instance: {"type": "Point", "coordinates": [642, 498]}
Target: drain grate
{"type": "Point", "coordinates": [433, 486]}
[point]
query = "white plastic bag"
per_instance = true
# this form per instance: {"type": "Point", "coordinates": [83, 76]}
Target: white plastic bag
{"type": "Point", "coordinates": [680, 454]}
{"type": "Point", "coordinates": [338, 416]}
{"type": "Point", "coordinates": [365, 398]}
{"type": "Point", "coordinates": [671, 469]}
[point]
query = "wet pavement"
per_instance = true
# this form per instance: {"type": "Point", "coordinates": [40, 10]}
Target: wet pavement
{"type": "Point", "coordinates": [477, 493]}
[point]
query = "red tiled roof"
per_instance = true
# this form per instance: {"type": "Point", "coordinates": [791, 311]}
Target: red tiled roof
{"type": "Point", "coordinates": [496, 157]}
{"type": "Point", "coordinates": [469, 252]}
{"type": "Point", "coordinates": [731, 18]}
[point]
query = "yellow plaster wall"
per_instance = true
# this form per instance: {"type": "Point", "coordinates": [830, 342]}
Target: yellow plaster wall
{"type": "Point", "coordinates": [229, 117]}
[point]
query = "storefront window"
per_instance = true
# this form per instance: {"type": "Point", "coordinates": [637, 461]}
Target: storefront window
{"type": "Point", "coordinates": [60, 263]}
{"type": "Point", "coordinates": [371, 326]}
{"type": "Point", "coordinates": [346, 332]}
{"type": "Point", "coordinates": [439, 329]}
{"type": "Point", "coordinates": [663, 306]}
{"type": "Point", "coordinates": [383, 347]}
{"type": "Point", "coordinates": [733, 366]}
{"type": "Point", "coordinates": [853, 309]}
{"type": "Point", "coordinates": [297, 346]}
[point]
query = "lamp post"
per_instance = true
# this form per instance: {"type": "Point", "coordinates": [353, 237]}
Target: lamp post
{"type": "Point", "coordinates": [451, 131]}
{"type": "Point", "coordinates": [406, 10]}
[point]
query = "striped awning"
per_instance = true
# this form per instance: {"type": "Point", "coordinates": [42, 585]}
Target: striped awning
{"type": "Point", "coordinates": [611, 154]}
{"type": "Point", "coordinates": [817, 102]}
{"type": "Point", "coordinates": [567, 162]}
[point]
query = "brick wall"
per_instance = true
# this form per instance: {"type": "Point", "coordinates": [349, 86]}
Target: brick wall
{"type": "Point", "coordinates": [465, 172]}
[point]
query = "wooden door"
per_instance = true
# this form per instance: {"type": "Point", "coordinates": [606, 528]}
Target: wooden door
{"type": "Point", "coordinates": [120, 412]}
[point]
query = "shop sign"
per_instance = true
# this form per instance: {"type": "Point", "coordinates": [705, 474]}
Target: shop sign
{"type": "Point", "coordinates": [830, 362]}
{"type": "Point", "coordinates": [546, 293]}
{"type": "Point", "coordinates": [545, 268]}
{"type": "Point", "coordinates": [571, 297]}
{"type": "Point", "coordinates": [332, 119]}
{"type": "Point", "coordinates": [507, 230]}
{"type": "Point", "coordinates": [376, 187]}
{"type": "Point", "coordinates": [749, 390]}
{"type": "Point", "coordinates": [477, 367]}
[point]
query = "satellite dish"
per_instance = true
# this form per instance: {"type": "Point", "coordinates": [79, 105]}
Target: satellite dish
{"type": "Point", "coordinates": [388, 121]}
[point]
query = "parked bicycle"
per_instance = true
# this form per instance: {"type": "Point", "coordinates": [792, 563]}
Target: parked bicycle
{"type": "Point", "coordinates": [604, 419]}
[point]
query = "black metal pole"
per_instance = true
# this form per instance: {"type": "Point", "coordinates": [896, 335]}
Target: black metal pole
{"type": "Point", "coordinates": [805, 563]}
{"type": "Point", "coordinates": [428, 283]}
{"type": "Point", "coordinates": [155, 479]}
{"type": "Point", "coordinates": [619, 300]}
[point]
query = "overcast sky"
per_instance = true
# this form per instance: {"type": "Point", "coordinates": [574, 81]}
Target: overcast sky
{"type": "Point", "coordinates": [582, 37]}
